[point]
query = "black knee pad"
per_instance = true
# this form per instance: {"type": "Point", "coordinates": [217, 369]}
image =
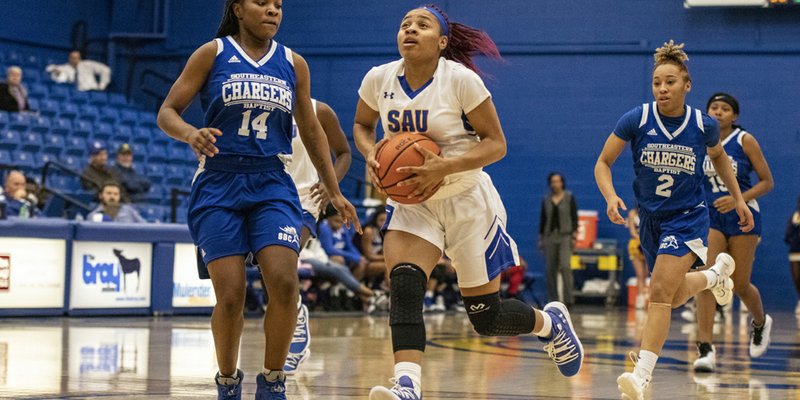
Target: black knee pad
{"type": "Point", "coordinates": [491, 316]}
{"type": "Point", "coordinates": [405, 313]}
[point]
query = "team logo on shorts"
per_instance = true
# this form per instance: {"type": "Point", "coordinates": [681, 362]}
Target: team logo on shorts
{"type": "Point", "coordinates": [289, 234]}
{"type": "Point", "coordinates": [669, 241]}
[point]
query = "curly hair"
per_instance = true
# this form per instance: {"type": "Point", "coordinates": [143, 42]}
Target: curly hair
{"type": "Point", "coordinates": [671, 53]}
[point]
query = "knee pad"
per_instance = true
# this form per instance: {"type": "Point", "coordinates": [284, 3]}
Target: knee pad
{"type": "Point", "coordinates": [407, 283]}
{"type": "Point", "coordinates": [491, 316]}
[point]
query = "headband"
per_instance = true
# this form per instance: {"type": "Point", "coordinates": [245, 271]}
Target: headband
{"type": "Point", "coordinates": [440, 17]}
{"type": "Point", "coordinates": [726, 98]}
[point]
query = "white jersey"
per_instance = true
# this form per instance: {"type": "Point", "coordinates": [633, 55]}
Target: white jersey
{"type": "Point", "coordinates": [301, 169]}
{"type": "Point", "coordinates": [438, 109]}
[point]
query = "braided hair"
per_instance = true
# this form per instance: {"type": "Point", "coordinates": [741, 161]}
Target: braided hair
{"type": "Point", "coordinates": [230, 23]}
{"type": "Point", "coordinates": [671, 53]}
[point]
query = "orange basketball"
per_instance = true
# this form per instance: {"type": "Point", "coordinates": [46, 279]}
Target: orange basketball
{"type": "Point", "coordinates": [399, 152]}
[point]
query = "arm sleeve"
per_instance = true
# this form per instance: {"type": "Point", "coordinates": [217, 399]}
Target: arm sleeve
{"type": "Point", "coordinates": [628, 124]}
{"type": "Point", "coordinates": [470, 89]}
{"type": "Point", "coordinates": [369, 88]}
{"type": "Point", "coordinates": [574, 213]}
{"type": "Point", "coordinates": [711, 130]}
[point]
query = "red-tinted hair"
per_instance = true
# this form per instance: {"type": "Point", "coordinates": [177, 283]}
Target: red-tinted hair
{"type": "Point", "coordinates": [464, 42]}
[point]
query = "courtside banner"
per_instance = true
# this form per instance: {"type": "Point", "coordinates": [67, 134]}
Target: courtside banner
{"type": "Point", "coordinates": [110, 275]}
{"type": "Point", "coordinates": [32, 272]}
{"type": "Point", "coordinates": [188, 290]}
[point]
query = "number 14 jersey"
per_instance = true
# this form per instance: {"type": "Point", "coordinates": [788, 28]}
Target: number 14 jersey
{"type": "Point", "coordinates": [668, 156]}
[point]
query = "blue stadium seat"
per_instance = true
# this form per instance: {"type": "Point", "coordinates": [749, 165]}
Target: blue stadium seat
{"type": "Point", "coordinates": [31, 141]}
{"type": "Point", "coordinates": [24, 160]}
{"type": "Point", "coordinates": [123, 133]}
{"type": "Point", "coordinates": [79, 97]}
{"type": "Point", "coordinates": [147, 119]}
{"type": "Point", "coordinates": [43, 158]}
{"type": "Point", "coordinates": [48, 107]}
{"type": "Point", "coordinates": [57, 182]}
{"type": "Point", "coordinates": [76, 145]}
{"type": "Point", "coordinates": [142, 135]}
{"type": "Point", "coordinates": [155, 172]}
{"type": "Point", "coordinates": [33, 104]}
{"type": "Point", "coordinates": [72, 162]}
{"type": "Point", "coordinates": [37, 90]}
{"type": "Point", "coordinates": [59, 92]}
{"type": "Point", "coordinates": [157, 153]}
{"type": "Point", "coordinates": [32, 74]}
{"type": "Point", "coordinates": [175, 175]}
{"type": "Point", "coordinates": [153, 213]}
{"type": "Point", "coordinates": [109, 115]}
{"type": "Point", "coordinates": [128, 117]}
{"type": "Point", "coordinates": [102, 131]}
{"type": "Point", "coordinates": [160, 137]}
{"type": "Point", "coordinates": [5, 157]}
{"type": "Point", "coordinates": [60, 126]}
{"type": "Point", "coordinates": [81, 128]}
{"type": "Point", "coordinates": [10, 139]}
{"type": "Point", "coordinates": [3, 119]}
{"type": "Point", "coordinates": [19, 121]}
{"type": "Point", "coordinates": [179, 152]}
{"type": "Point", "coordinates": [98, 98]}
{"type": "Point", "coordinates": [40, 124]}
{"type": "Point", "coordinates": [53, 144]}
{"type": "Point", "coordinates": [89, 113]}
{"type": "Point", "coordinates": [68, 110]}
{"type": "Point", "coordinates": [117, 99]}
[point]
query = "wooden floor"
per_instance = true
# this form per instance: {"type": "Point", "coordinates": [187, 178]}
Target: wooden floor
{"type": "Point", "coordinates": [173, 358]}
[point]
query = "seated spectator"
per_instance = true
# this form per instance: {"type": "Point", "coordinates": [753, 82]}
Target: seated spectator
{"type": "Point", "coordinates": [97, 172]}
{"type": "Point", "coordinates": [337, 241]}
{"type": "Point", "coordinates": [13, 94]}
{"type": "Point", "coordinates": [85, 74]}
{"type": "Point", "coordinates": [17, 204]}
{"type": "Point", "coordinates": [110, 209]}
{"type": "Point", "coordinates": [136, 186]}
{"type": "Point", "coordinates": [371, 244]}
{"type": "Point", "coordinates": [36, 196]}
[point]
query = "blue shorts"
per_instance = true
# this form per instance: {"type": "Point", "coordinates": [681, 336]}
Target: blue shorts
{"type": "Point", "coordinates": [728, 223]}
{"type": "Point", "coordinates": [310, 222]}
{"type": "Point", "coordinates": [241, 205]}
{"type": "Point", "coordinates": [677, 234]}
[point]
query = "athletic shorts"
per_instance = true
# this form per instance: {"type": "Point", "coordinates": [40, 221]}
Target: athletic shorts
{"type": "Point", "coordinates": [234, 213]}
{"type": "Point", "coordinates": [728, 223]}
{"type": "Point", "coordinates": [470, 227]}
{"type": "Point", "coordinates": [635, 250]}
{"type": "Point", "coordinates": [676, 233]}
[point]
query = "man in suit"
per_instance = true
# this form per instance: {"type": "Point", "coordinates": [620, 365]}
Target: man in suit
{"type": "Point", "coordinates": [13, 94]}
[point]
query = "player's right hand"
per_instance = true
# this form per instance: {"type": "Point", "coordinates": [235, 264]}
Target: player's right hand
{"type": "Point", "coordinates": [373, 165]}
{"type": "Point", "coordinates": [202, 141]}
{"type": "Point", "coordinates": [612, 210]}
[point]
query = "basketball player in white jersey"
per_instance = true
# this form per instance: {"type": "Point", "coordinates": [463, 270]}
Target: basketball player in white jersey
{"type": "Point", "coordinates": [433, 90]}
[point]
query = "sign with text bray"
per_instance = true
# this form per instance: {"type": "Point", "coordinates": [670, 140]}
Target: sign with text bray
{"type": "Point", "coordinates": [110, 275]}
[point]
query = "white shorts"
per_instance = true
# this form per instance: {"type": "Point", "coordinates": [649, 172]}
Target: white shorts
{"type": "Point", "coordinates": [470, 227]}
{"type": "Point", "coordinates": [307, 202]}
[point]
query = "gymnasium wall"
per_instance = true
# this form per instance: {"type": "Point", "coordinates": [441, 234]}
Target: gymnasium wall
{"type": "Point", "coordinates": [571, 69]}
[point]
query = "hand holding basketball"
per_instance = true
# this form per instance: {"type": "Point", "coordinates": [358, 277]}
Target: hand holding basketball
{"type": "Point", "coordinates": [427, 176]}
{"type": "Point", "coordinates": [373, 165]}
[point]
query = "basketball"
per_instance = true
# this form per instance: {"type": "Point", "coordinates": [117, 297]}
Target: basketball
{"type": "Point", "coordinates": [399, 152]}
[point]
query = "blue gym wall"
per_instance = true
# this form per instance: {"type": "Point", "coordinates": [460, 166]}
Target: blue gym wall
{"type": "Point", "coordinates": [571, 69]}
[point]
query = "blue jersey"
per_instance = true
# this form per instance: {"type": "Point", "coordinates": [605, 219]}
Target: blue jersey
{"type": "Point", "coordinates": [742, 167]}
{"type": "Point", "coordinates": [250, 101]}
{"type": "Point", "coordinates": [667, 156]}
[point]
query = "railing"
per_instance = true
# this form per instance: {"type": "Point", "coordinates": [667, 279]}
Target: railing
{"type": "Point", "coordinates": [174, 202]}
{"type": "Point", "coordinates": [68, 199]}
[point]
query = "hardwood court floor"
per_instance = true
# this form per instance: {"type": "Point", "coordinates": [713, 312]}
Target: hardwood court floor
{"type": "Point", "coordinates": [173, 358]}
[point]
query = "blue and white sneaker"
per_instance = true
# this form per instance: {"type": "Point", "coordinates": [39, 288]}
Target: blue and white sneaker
{"type": "Point", "coordinates": [403, 389]}
{"type": "Point", "coordinates": [275, 390]}
{"type": "Point", "coordinates": [230, 392]}
{"type": "Point", "coordinates": [298, 350]}
{"type": "Point", "coordinates": [563, 346]}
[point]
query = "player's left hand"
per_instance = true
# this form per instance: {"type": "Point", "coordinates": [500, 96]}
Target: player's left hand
{"type": "Point", "coordinates": [746, 222]}
{"type": "Point", "coordinates": [319, 195]}
{"type": "Point", "coordinates": [725, 204]}
{"type": "Point", "coordinates": [347, 211]}
{"type": "Point", "coordinates": [427, 176]}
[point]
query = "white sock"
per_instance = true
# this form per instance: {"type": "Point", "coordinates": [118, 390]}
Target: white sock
{"type": "Point", "coordinates": [229, 380]}
{"type": "Point", "coordinates": [271, 375]}
{"type": "Point", "coordinates": [429, 294]}
{"type": "Point", "coordinates": [711, 277]}
{"type": "Point", "coordinates": [547, 325]}
{"type": "Point", "coordinates": [411, 370]}
{"type": "Point", "coordinates": [647, 363]}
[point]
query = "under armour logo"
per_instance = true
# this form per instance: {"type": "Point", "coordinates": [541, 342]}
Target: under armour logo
{"type": "Point", "coordinates": [388, 95]}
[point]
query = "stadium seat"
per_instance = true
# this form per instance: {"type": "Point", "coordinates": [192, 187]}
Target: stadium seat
{"type": "Point", "coordinates": [60, 126]}
{"type": "Point", "coordinates": [117, 99]}
{"type": "Point", "coordinates": [53, 144]}
{"type": "Point", "coordinates": [33, 104]}
{"type": "Point", "coordinates": [40, 124]}
{"type": "Point", "coordinates": [3, 119]}
{"type": "Point", "coordinates": [48, 108]}
{"type": "Point", "coordinates": [109, 115]}
{"type": "Point", "coordinates": [160, 137]}
{"type": "Point", "coordinates": [5, 157]}
{"type": "Point", "coordinates": [43, 158]}
{"type": "Point", "coordinates": [32, 75]}
{"type": "Point", "coordinates": [175, 175]}
{"type": "Point", "coordinates": [76, 145]}
{"type": "Point", "coordinates": [123, 133]}
{"type": "Point", "coordinates": [24, 160]}
{"type": "Point", "coordinates": [157, 153]}
{"type": "Point", "coordinates": [128, 117]}
{"type": "Point", "coordinates": [19, 121]}
{"type": "Point", "coordinates": [89, 113]}
{"type": "Point", "coordinates": [81, 128]}
{"type": "Point", "coordinates": [153, 213]}
{"type": "Point", "coordinates": [179, 153]}
{"type": "Point", "coordinates": [59, 92]}
{"type": "Point", "coordinates": [31, 141]}
{"type": "Point", "coordinates": [98, 98]}
{"type": "Point", "coordinates": [37, 91]}
{"type": "Point", "coordinates": [142, 135]}
{"type": "Point", "coordinates": [78, 97]}
{"type": "Point", "coordinates": [57, 182]}
{"type": "Point", "coordinates": [147, 119]}
{"type": "Point", "coordinates": [72, 162]}
{"type": "Point", "coordinates": [68, 110]}
{"type": "Point", "coordinates": [102, 131]}
{"type": "Point", "coordinates": [155, 172]}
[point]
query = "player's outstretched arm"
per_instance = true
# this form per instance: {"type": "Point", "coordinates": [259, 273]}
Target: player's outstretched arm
{"type": "Point", "coordinates": [602, 174]}
{"type": "Point", "coordinates": [315, 142]}
{"type": "Point", "coordinates": [724, 169]}
{"type": "Point", "coordinates": [184, 89]}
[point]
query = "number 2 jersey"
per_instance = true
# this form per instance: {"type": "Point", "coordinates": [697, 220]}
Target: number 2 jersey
{"type": "Point", "coordinates": [250, 101]}
{"type": "Point", "coordinates": [668, 156]}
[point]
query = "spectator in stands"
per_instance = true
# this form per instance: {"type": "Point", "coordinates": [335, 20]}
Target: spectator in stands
{"type": "Point", "coordinates": [97, 172]}
{"type": "Point", "coordinates": [35, 194]}
{"type": "Point", "coordinates": [13, 94]}
{"type": "Point", "coordinates": [558, 231]}
{"type": "Point", "coordinates": [110, 208]}
{"type": "Point", "coordinates": [17, 204]}
{"type": "Point", "coordinates": [135, 186]}
{"type": "Point", "coordinates": [337, 241]}
{"type": "Point", "coordinates": [85, 74]}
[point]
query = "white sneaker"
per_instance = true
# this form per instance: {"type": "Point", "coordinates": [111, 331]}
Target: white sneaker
{"type": "Point", "coordinates": [723, 289]}
{"type": "Point", "coordinates": [632, 386]}
{"type": "Point", "coordinates": [760, 337]}
{"type": "Point", "coordinates": [706, 359]}
{"type": "Point", "coordinates": [403, 389]}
